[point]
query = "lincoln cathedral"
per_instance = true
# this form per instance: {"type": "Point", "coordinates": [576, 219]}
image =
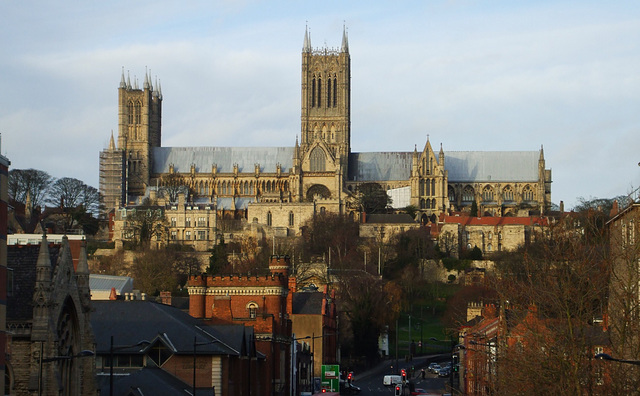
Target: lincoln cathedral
{"type": "Point", "coordinates": [279, 188]}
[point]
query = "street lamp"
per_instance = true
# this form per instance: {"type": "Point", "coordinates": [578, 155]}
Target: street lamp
{"type": "Point", "coordinates": [195, 345]}
{"type": "Point", "coordinates": [113, 348]}
{"type": "Point", "coordinates": [604, 356]}
{"type": "Point", "coordinates": [84, 353]}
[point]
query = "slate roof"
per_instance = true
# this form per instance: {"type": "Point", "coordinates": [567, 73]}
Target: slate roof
{"type": "Point", "coordinates": [380, 166]}
{"type": "Point", "coordinates": [146, 381]}
{"type": "Point", "coordinates": [462, 166]}
{"type": "Point", "coordinates": [307, 303]}
{"type": "Point", "coordinates": [224, 157]}
{"type": "Point", "coordinates": [130, 322]}
{"type": "Point", "coordinates": [22, 260]}
{"type": "Point", "coordinates": [123, 284]}
{"type": "Point", "coordinates": [516, 166]}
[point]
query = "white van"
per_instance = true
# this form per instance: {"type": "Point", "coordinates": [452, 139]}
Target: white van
{"type": "Point", "coordinates": [390, 380]}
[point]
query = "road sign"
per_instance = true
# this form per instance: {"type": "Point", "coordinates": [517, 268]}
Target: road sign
{"type": "Point", "coordinates": [331, 377]}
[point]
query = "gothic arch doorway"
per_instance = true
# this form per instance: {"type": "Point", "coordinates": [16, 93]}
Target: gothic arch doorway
{"type": "Point", "coordinates": [318, 191]}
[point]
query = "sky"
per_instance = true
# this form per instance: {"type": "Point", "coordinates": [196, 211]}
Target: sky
{"type": "Point", "coordinates": [470, 75]}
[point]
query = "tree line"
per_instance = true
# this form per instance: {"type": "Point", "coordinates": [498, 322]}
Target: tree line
{"type": "Point", "coordinates": [76, 202]}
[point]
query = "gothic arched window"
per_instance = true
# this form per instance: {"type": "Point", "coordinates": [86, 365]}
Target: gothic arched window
{"type": "Point", "coordinates": [335, 92]}
{"type": "Point", "coordinates": [130, 112]}
{"type": "Point", "coordinates": [269, 218]}
{"type": "Point", "coordinates": [138, 112]}
{"type": "Point", "coordinates": [319, 91]}
{"type": "Point", "coordinates": [329, 93]}
{"type": "Point", "coordinates": [487, 194]}
{"type": "Point", "coordinates": [291, 219]}
{"type": "Point", "coordinates": [527, 193]}
{"type": "Point", "coordinates": [313, 93]}
{"type": "Point", "coordinates": [468, 194]}
{"type": "Point", "coordinates": [507, 194]}
{"type": "Point", "coordinates": [317, 160]}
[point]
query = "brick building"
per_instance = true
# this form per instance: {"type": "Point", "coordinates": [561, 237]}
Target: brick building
{"type": "Point", "coordinates": [263, 302]}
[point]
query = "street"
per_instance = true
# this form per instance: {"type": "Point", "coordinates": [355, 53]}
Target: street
{"type": "Point", "coordinates": [372, 385]}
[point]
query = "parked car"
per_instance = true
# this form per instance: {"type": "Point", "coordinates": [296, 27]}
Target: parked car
{"type": "Point", "coordinates": [419, 392]}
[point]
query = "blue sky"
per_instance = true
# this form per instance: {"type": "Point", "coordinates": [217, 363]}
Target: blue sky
{"type": "Point", "coordinates": [493, 75]}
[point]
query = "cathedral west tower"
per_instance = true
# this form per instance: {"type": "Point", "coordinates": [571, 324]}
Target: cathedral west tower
{"type": "Point", "coordinates": [139, 130]}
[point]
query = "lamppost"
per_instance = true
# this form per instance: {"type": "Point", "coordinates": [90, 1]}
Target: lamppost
{"type": "Point", "coordinates": [196, 344]}
{"type": "Point", "coordinates": [113, 348]}
{"type": "Point", "coordinates": [84, 353]}
{"type": "Point", "coordinates": [604, 356]}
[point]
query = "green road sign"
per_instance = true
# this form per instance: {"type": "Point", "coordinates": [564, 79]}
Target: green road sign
{"type": "Point", "coordinates": [331, 377]}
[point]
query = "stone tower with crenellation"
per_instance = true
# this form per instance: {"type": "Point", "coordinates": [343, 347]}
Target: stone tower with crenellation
{"type": "Point", "coordinates": [323, 155]}
{"type": "Point", "coordinates": [139, 130]}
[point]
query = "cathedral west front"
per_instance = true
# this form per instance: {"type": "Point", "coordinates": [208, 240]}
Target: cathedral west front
{"type": "Point", "coordinates": [279, 188]}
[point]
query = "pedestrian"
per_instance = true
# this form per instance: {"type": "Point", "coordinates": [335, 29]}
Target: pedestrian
{"type": "Point", "coordinates": [423, 373]}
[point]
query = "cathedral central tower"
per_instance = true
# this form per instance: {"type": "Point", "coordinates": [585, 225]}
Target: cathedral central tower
{"type": "Point", "coordinates": [326, 108]}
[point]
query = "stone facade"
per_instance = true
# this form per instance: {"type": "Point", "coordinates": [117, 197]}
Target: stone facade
{"type": "Point", "coordinates": [48, 317]}
{"type": "Point", "coordinates": [489, 234]}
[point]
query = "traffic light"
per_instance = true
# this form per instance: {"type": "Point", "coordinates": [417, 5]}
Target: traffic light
{"type": "Point", "coordinates": [454, 362]}
{"type": "Point", "coordinates": [349, 377]}
{"type": "Point", "coordinates": [404, 375]}
{"type": "Point", "coordinates": [398, 391]}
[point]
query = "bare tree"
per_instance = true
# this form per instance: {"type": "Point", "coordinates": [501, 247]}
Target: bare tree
{"type": "Point", "coordinates": [29, 182]}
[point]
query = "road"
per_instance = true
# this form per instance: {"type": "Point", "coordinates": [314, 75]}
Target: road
{"type": "Point", "coordinates": [372, 385]}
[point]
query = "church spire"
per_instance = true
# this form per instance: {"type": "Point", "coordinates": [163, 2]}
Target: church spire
{"type": "Point", "coordinates": [112, 143]}
{"type": "Point", "coordinates": [123, 84]}
{"type": "Point", "coordinates": [146, 79]}
{"type": "Point", "coordinates": [306, 46]}
{"type": "Point", "coordinates": [345, 40]}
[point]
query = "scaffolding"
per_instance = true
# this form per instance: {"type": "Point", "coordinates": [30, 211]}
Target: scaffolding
{"type": "Point", "coordinates": [112, 178]}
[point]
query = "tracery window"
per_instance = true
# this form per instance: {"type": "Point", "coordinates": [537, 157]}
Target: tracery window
{"type": "Point", "coordinates": [269, 218]}
{"type": "Point", "coordinates": [313, 93]}
{"type": "Point", "coordinates": [487, 194]}
{"type": "Point", "coordinates": [329, 93]}
{"type": "Point", "coordinates": [507, 194]}
{"type": "Point", "coordinates": [335, 92]}
{"type": "Point", "coordinates": [317, 160]}
{"type": "Point", "coordinates": [319, 91]}
{"type": "Point", "coordinates": [468, 194]}
{"type": "Point", "coordinates": [527, 193]}
{"type": "Point", "coordinates": [291, 219]}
